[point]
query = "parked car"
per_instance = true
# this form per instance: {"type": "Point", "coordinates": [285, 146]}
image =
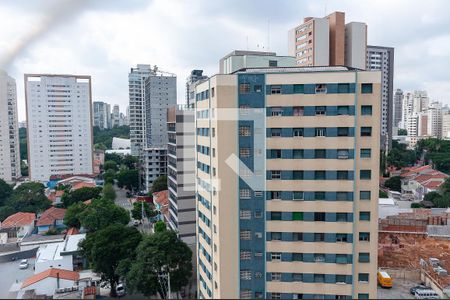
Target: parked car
{"type": "Point", "coordinates": [120, 290]}
{"type": "Point", "coordinates": [426, 294]}
{"type": "Point", "coordinates": [136, 222]}
{"type": "Point", "coordinates": [417, 287]}
{"type": "Point", "coordinates": [23, 264]}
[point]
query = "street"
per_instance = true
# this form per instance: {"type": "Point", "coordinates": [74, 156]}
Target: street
{"type": "Point", "coordinates": [10, 273]}
{"type": "Point", "coordinates": [121, 198]}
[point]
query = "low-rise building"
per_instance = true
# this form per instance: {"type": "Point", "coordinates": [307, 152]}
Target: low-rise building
{"type": "Point", "coordinates": [52, 218]}
{"type": "Point", "coordinates": [99, 160]}
{"type": "Point", "coordinates": [153, 164]}
{"type": "Point", "coordinates": [22, 224]}
{"type": "Point", "coordinates": [418, 181]}
{"type": "Point", "coordinates": [161, 201]}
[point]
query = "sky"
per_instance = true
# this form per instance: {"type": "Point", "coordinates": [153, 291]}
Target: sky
{"type": "Point", "coordinates": [105, 38]}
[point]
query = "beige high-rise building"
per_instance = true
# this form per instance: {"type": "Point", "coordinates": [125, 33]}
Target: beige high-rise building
{"type": "Point", "coordinates": [329, 41]}
{"type": "Point", "coordinates": [287, 169]}
{"type": "Point", "coordinates": [9, 131]}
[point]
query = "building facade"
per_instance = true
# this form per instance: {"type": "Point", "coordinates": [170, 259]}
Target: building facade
{"type": "Point", "coordinates": [181, 171]}
{"type": "Point", "coordinates": [239, 59]}
{"type": "Point", "coordinates": [286, 200]}
{"type": "Point", "coordinates": [191, 81]}
{"type": "Point", "coordinates": [329, 41]}
{"type": "Point", "coordinates": [382, 59]}
{"type": "Point", "coordinates": [115, 116]}
{"type": "Point", "coordinates": [153, 163]}
{"type": "Point", "coordinates": [398, 107]}
{"type": "Point", "coordinates": [102, 115]}
{"type": "Point", "coordinates": [434, 112]}
{"type": "Point", "coordinates": [9, 130]}
{"type": "Point", "coordinates": [59, 122]}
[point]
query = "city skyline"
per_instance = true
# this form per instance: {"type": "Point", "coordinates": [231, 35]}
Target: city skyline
{"type": "Point", "coordinates": [112, 52]}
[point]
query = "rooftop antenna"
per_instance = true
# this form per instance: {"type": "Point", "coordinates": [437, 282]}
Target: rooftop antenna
{"type": "Point", "coordinates": [325, 9]}
{"type": "Point", "coordinates": [247, 41]}
{"type": "Point", "coordinates": [268, 35]}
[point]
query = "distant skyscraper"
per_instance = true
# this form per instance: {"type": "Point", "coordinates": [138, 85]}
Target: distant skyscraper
{"type": "Point", "coordinates": [59, 116]}
{"type": "Point", "coordinates": [191, 81]}
{"type": "Point", "coordinates": [382, 59]}
{"type": "Point", "coordinates": [9, 132]}
{"type": "Point", "coordinates": [329, 41]}
{"type": "Point", "coordinates": [398, 107]}
{"type": "Point", "coordinates": [434, 112]}
{"type": "Point", "coordinates": [127, 116]}
{"type": "Point", "coordinates": [115, 116]}
{"type": "Point", "coordinates": [101, 114]}
{"type": "Point", "coordinates": [136, 84]}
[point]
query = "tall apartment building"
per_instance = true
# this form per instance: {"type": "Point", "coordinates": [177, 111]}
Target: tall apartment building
{"type": "Point", "coordinates": [153, 163]}
{"type": "Point", "coordinates": [191, 81]}
{"type": "Point", "coordinates": [136, 85]}
{"type": "Point", "coordinates": [181, 171]}
{"type": "Point", "coordinates": [59, 116]}
{"type": "Point", "coordinates": [382, 59]}
{"type": "Point", "coordinates": [435, 120]}
{"type": "Point", "coordinates": [115, 116]}
{"type": "Point", "coordinates": [239, 59]}
{"type": "Point", "coordinates": [287, 183]}
{"type": "Point", "coordinates": [102, 115]}
{"type": "Point", "coordinates": [329, 41]}
{"type": "Point", "coordinates": [446, 126]}
{"type": "Point", "coordinates": [398, 107]}
{"type": "Point", "coordinates": [9, 131]}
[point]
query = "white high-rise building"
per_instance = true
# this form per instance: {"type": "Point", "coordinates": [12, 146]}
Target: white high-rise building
{"type": "Point", "coordinates": [9, 132]}
{"type": "Point", "coordinates": [102, 114]}
{"type": "Point", "coordinates": [407, 108]}
{"type": "Point", "coordinates": [435, 120]}
{"type": "Point", "coordinates": [446, 126]}
{"type": "Point", "coordinates": [59, 116]}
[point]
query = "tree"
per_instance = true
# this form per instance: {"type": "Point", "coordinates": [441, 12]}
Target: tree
{"type": "Point", "coordinates": [117, 158]}
{"type": "Point", "coordinates": [23, 168]}
{"type": "Point", "coordinates": [130, 161]}
{"type": "Point", "coordinates": [383, 194]}
{"type": "Point", "coordinates": [136, 212]}
{"type": "Point", "coordinates": [399, 156]}
{"type": "Point", "coordinates": [436, 152]}
{"type": "Point", "coordinates": [82, 194]}
{"type": "Point", "coordinates": [5, 191]}
{"type": "Point", "coordinates": [402, 131]}
{"type": "Point", "coordinates": [108, 192]}
{"type": "Point", "coordinates": [158, 253]}
{"type": "Point", "coordinates": [416, 205]}
{"type": "Point", "coordinates": [6, 211]}
{"type": "Point", "coordinates": [29, 197]}
{"type": "Point", "coordinates": [160, 184]}
{"type": "Point", "coordinates": [445, 187]}
{"type": "Point", "coordinates": [160, 226]}
{"type": "Point", "coordinates": [109, 176]}
{"type": "Point", "coordinates": [101, 213]}
{"type": "Point", "coordinates": [23, 144]}
{"type": "Point", "coordinates": [100, 146]}
{"type": "Point", "coordinates": [72, 216]}
{"type": "Point", "coordinates": [437, 199]}
{"type": "Point", "coordinates": [105, 136]}
{"type": "Point", "coordinates": [110, 165]}
{"type": "Point", "coordinates": [128, 179]}
{"type": "Point", "coordinates": [106, 248]}
{"type": "Point", "coordinates": [394, 183]}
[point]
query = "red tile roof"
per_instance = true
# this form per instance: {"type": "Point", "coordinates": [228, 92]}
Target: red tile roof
{"type": "Point", "coordinates": [18, 219]}
{"type": "Point", "coordinates": [416, 170]}
{"type": "Point", "coordinates": [72, 231]}
{"type": "Point", "coordinates": [55, 194]}
{"type": "Point", "coordinates": [82, 184]}
{"type": "Point", "coordinates": [49, 216]}
{"type": "Point", "coordinates": [162, 198]}
{"type": "Point", "coordinates": [63, 274]}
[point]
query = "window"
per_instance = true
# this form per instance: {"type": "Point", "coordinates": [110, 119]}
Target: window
{"type": "Point", "coordinates": [275, 89]}
{"type": "Point", "coordinates": [363, 296]}
{"type": "Point", "coordinates": [246, 294]}
{"type": "Point", "coordinates": [245, 131]}
{"type": "Point", "coordinates": [275, 195]}
{"type": "Point", "coordinates": [319, 216]}
{"type": "Point", "coordinates": [244, 193]}
{"type": "Point", "coordinates": [258, 214]}
{"type": "Point", "coordinates": [297, 153]}
{"type": "Point", "coordinates": [213, 132]}
{"type": "Point", "coordinates": [366, 88]}
{"type": "Point", "coordinates": [246, 274]}
{"type": "Point", "coordinates": [299, 88]}
{"type": "Point", "coordinates": [275, 276]}
{"type": "Point", "coordinates": [319, 237]}
{"type": "Point", "coordinates": [320, 153]}
{"type": "Point", "coordinates": [274, 132]}
{"type": "Point", "coordinates": [319, 175]}
{"type": "Point", "coordinates": [258, 295]}
{"type": "Point", "coordinates": [340, 278]}
{"type": "Point", "coordinates": [342, 175]}
{"type": "Point", "coordinates": [275, 174]}
{"type": "Point", "coordinates": [341, 217]}
{"type": "Point", "coordinates": [297, 175]}
{"type": "Point", "coordinates": [364, 195]}
{"type": "Point", "coordinates": [275, 256]}
{"type": "Point", "coordinates": [258, 235]}
{"type": "Point", "coordinates": [319, 278]}
{"type": "Point", "coordinates": [297, 256]}
{"type": "Point", "coordinates": [299, 111]}
{"type": "Point", "coordinates": [366, 131]}
{"type": "Point", "coordinates": [364, 236]}
{"type": "Point", "coordinates": [364, 215]}
{"type": "Point", "coordinates": [343, 88]}
{"type": "Point", "coordinates": [297, 236]}
{"type": "Point", "coordinates": [342, 196]}
{"type": "Point", "coordinates": [275, 153]}
{"type": "Point", "coordinates": [341, 238]}
{"type": "Point", "coordinates": [244, 152]}
{"type": "Point", "coordinates": [364, 257]}
{"type": "Point", "coordinates": [320, 110]}
{"type": "Point", "coordinates": [276, 295]}
{"type": "Point", "coordinates": [366, 110]}
{"type": "Point", "coordinates": [276, 111]}
{"type": "Point", "coordinates": [257, 88]}
{"type": "Point", "coordinates": [276, 236]}
{"type": "Point", "coordinates": [246, 255]}
{"type": "Point", "coordinates": [297, 277]}
{"type": "Point", "coordinates": [244, 88]}
{"type": "Point", "coordinates": [320, 131]}
{"type": "Point", "coordinates": [297, 216]}
{"type": "Point", "coordinates": [246, 235]}
{"type": "Point", "coordinates": [297, 132]}
{"type": "Point", "coordinates": [273, 63]}
{"type": "Point", "coordinates": [245, 214]}
{"type": "Point", "coordinates": [343, 131]}
{"type": "Point", "coordinates": [365, 174]}
{"type": "Point", "coordinates": [212, 92]}
{"type": "Point", "coordinates": [365, 153]}
{"type": "Point", "coordinates": [342, 153]}
{"type": "Point", "coordinates": [319, 195]}
{"type": "Point", "coordinates": [275, 215]}
{"type": "Point", "coordinates": [321, 88]}
{"type": "Point", "coordinates": [298, 195]}
{"type": "Point", "coordinates": [258, 193]}
{"type": "Point", "coordinates": [343, 110]}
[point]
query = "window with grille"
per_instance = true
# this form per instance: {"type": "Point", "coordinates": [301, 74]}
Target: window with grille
{"type": "Point", "coordinates": [244, 88]}
{"type": "Point", "coordinates": [275, 132]}
{"type": "Point", "coordinates": [341, 237]}
{"type": "Point", "coordinates": [244, 193]}
{"type": "Point", "coordinates": [364, 236]}
{"type": "Point", "coordinates": [299, 111]}
{"type": "Point", "coordinates": [275, 89]}
{"type": "Point", "coordinates": [245, 131]}
{"type": "Point", "coordinates": [297, 132]}
{"type": "Point", "coordinates": [319, 257]}
{"type": "Point", "coordinates": [320, 131]}
{"type": "Point", "coordinates": [342, 153]}
{"type": "Point", "coordinates": [245, 214]}
{"type": "Point", "coordinates": [276, 295]}
{"type": "Point", "coordinates": [246, 255]}
{"type": "Point", "coordinates": [246, 294]}
{"type": "Point", "coordinates": [275, 174]}
{"type": "Point", "coordinates": [275, 276]}
{"type": "Point", "coordinates": [246, 235]}
{"type": "Point", "coordinates": [320, 110]}
{"type": "Point", "coordinates": [275, 256]}
{"type": "Point", "coordinates": [277, 111]}
{"type": "Point", "coordinates": [321, 88]}
{"type": "Point", "coordinates": [246, 275]}
{"type": "Point", "coordinates": [244, 152]}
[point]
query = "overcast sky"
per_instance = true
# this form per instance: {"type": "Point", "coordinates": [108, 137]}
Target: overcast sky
{"type": "Point", "coordinates": [104, 38]}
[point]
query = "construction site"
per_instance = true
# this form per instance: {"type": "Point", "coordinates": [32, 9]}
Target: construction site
{"type": "Point", "coordinates": [405, 244]}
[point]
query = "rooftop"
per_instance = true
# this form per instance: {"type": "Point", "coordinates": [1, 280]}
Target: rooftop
{"type": "Point", "coordinates": [18, 219]}
{"type": "Point", "coordinates": [50, 252]}
{"type": "Point", "coordinates": [247, 52]}
{"type": "Point", "coordinates": [49, 216]}
{"type": "Point", "coordinates": [297, 69]}
{"type": "Point", "coordinates": [55, 273]}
